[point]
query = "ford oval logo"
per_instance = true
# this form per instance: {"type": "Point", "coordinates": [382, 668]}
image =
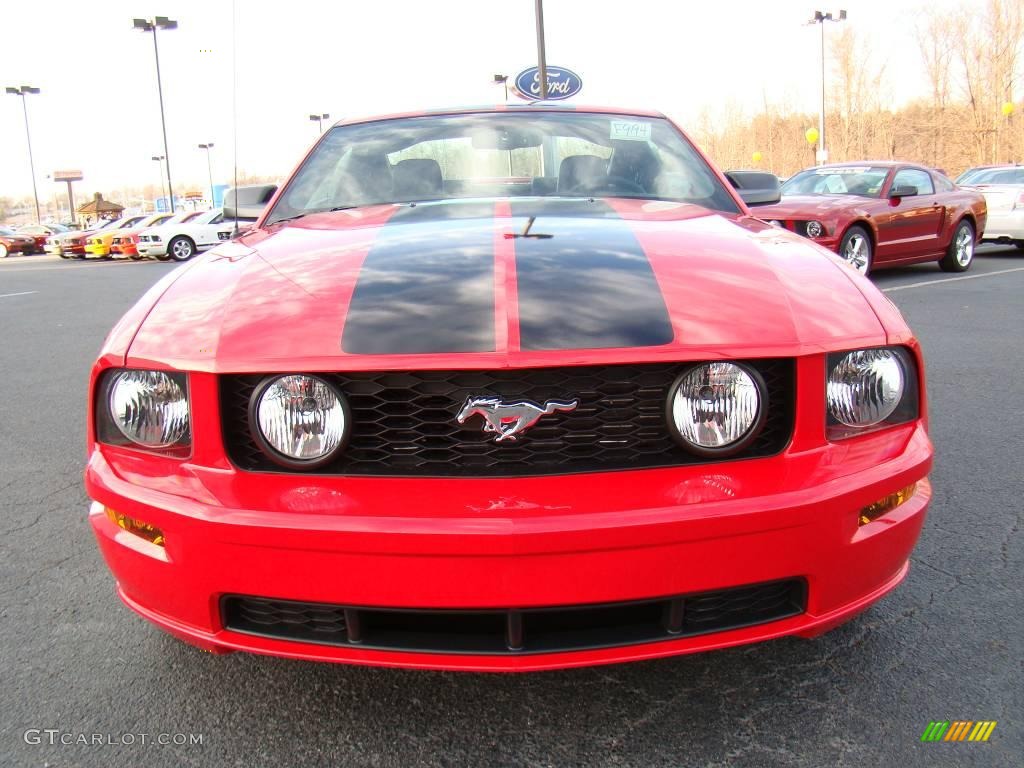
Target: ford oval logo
{"type": "Point", "coordinates": [562, 83]}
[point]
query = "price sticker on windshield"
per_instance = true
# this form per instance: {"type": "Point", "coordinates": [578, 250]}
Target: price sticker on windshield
{"type": "Point", "coordinates": [630, 130]}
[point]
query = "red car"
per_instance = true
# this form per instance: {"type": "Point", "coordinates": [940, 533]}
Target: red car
{"type": "Point", "coordinates": [40, 233]}
{"type": "Point", "coordinates": [428, 415]}
{"type": "Point", "coordinates": [15, 242]}
{"type": "Point", "coordinates": [882, 214]}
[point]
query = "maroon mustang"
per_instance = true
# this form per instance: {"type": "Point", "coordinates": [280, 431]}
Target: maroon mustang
{"type": "Point", "coordinates": [879, 214]}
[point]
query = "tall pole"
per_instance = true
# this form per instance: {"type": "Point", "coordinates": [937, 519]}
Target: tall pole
{"type": "Point", "coordinates": [23, 91]}
{"type": "Point", "coordinates": [209, 171]}
{"type": "Point", "coordinates": [821, 116]}
{"type": "Point", "coordinates": [542, 65]}
{"type": "Point", "coordinates": [71, 204]}
{"type": "Point", "coordinates": [31, 162]}
{"type": "Point", "coordinates": [160, 167]}
{"type": "Point", "coordinates": [163, 121]}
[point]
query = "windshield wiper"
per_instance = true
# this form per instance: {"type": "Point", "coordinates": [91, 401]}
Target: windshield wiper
{"type": "Point", "coordinates": [311, 213]}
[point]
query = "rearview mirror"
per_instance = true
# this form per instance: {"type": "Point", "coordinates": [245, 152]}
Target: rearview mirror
{"type": "Point", "coordinates": [247, 203]}
{"type": "Point", "coordinates": [904, 191]}
{"type": "Point", "coordinates": [756, 187]}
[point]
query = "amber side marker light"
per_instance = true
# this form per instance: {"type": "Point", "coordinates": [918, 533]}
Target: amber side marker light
{"type": "Point", "coordinates": [143, 530]}
{"type": "Point", "coordinates": [886, 504]}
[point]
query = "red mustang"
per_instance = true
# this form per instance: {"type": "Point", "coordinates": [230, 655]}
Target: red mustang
{"type": "Point", "coordinates": [507, 389]}
{"type": "Point", "coordinates": [882, 214]}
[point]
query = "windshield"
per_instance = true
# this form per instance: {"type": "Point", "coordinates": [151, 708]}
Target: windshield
{"type": "Point", "coordinates": [861, 180]}
{"type": "Point", "coordinates": [504, 154]}
{"type": "Point", "coordinates": [996, 176]}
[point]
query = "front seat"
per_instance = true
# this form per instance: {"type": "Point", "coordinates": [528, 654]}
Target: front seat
{"type": "Point", "coordinates": [579, 173]}
{"type": "Point", "coordinates": [418, 179]}
{"type": "Point", "coordinates": [367, 180]}
{"type": "Point", "coordinates": [636, 163]}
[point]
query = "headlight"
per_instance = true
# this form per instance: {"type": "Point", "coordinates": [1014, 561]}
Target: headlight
{"type": "Point", "coordinates": [300, 420]}
{"type": "Point", "coordinates": [870, 388]}
{"type": "Point", "coordinates": [717, 408]}
{"type": "Point", "coordinates": [815, 229]}
{"type": "Point", "coordinates": [148, 408]}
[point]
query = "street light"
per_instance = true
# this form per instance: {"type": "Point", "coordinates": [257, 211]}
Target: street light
{"type": "Point", "coordinates": [23, 91]}
{"type": "Point", "coordinates": [160, 159]}
{"type": "Point", "coordinates": [151, 25]}
{"type": "Point", "coordinates": [319, 120]}
{"type": "Point", "coordinates": [820, 18]}
{"type": "Point", "coordinates": [503, 80]}
{"type": "Point", "coordinates": [209, 169]}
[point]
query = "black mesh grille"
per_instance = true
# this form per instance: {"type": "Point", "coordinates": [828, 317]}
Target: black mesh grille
{"type": "Point", "coordinates": [403, 423]}
{"type": "Point", "coordinates": [508, 631]}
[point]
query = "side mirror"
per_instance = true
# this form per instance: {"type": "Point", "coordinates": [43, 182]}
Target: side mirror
{"type": "Point", "coordinates": [905, 191]}
{"type": "Point", "coordinates": [756, 187]}
{"type": "Point", "coordinates": [247, 203]}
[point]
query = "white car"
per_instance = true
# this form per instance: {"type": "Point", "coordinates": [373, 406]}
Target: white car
{"type": "Point", "coordinates": [183, 237]}
{"type": "Point", "coordinates": [1003, 189]}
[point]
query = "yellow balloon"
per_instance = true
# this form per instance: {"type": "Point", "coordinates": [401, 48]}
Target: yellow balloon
{"type": "Point", "coordinates": [1007, 108]}
{"type": "Point", "coordinates": [757, 157]}
{"type": "Point", "coordinates": [811, 135]}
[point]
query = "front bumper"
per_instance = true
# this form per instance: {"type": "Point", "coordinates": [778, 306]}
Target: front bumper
{"type": "Point", "coordinates": [53, 250]}
{"type": "Point", "coordinates": [98, 249]}
{"type": "Point", "coordinates": [484, 543]}
{"type": "Point", "coordinates": [152, 249]}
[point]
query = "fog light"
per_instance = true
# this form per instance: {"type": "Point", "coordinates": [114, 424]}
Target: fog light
{"type": "Point", "coordinates": [885, 504]}
{"type": "Point", "coordinates": [134, 526]}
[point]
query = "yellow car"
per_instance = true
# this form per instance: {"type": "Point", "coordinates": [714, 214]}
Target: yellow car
{"type": "Point", "coordinates": [98, 243]}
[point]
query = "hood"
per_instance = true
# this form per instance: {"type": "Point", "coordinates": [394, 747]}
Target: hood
{"type": "Point", "coordinates": [498, 284]}
{"type": "Point", "coordinates": [808, 206]}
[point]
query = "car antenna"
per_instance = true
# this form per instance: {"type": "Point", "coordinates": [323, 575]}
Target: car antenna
{"type": "Point", "coordinates": [234, 102]}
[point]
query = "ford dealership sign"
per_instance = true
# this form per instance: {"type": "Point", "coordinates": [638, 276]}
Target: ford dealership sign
{"type": "Point", "coordinates": [562, 83]}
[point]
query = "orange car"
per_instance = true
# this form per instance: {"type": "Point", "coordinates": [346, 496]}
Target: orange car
{"type": "Point", "coordinates": [125, 240]}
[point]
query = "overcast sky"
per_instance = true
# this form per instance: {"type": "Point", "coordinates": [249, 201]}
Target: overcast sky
{"type": "Point", "coordinates": [98, 111]}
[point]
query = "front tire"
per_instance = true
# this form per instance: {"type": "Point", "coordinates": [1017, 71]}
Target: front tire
{"type": "Point", "coordinates": [3, 251]}
{"type": "Point", "coordinates": [135, 257]}
{"type": "Point", "coordinates": [960, 253]}
{"type": "Point", "coordinates": [181, 249]}
{"type": "Point", "coordinates": [856, 250]}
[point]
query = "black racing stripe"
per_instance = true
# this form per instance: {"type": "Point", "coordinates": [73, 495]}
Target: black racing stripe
{"type": "Point", "coordinates": [427, 284]}
{"type": "Point", "coordinates": [584, 280]}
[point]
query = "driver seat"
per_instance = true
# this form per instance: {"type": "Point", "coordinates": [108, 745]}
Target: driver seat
{"type": "Point", "coordinates": [582, 172]}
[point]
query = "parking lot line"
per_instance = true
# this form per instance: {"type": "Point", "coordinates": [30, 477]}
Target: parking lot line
{"type": "Point", "coordinates": [91, 265]}
{"type": "Point", "coordinates": [21, 293]}
{"type": "Point", "coordinates": [944, 280]}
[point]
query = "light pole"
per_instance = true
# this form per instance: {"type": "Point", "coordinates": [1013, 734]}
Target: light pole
{"type": "Point", "coordinates": [820, 18]}
{"type": "Point", "coordinates": [542, 64]}
{"type": "Point", "coordinates": [503, 80]}
{"type": "Point", "coordinates": [24, 91]}
{"type": "Point", "coordinates": [151, 25]}
{"type": "Point", "coordinates": [209, 168]}
{"type": "Point", "coordinates": [160, 159]}
{"type": "Point", "coordinates": [319, 120]}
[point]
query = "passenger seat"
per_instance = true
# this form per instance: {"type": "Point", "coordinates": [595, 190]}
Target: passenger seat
{"type": "Point", "coordinates": [418, 179]}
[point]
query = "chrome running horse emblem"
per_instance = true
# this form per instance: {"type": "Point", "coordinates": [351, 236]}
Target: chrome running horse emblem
{"type": "Point", "coordinates": [508, 420]}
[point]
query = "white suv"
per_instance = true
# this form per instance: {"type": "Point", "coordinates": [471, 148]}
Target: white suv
{"type": "Point", "coordinates": [183, 237]}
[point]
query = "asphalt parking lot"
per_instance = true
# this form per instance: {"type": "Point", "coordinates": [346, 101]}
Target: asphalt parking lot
{"type": "Point", "coordinates": [947, 645]}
